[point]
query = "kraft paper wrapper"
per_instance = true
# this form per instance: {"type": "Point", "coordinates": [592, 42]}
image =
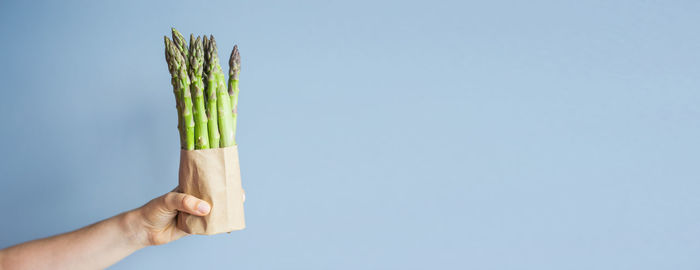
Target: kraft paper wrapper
{"type": "Point", "coordinates": [212, 175]}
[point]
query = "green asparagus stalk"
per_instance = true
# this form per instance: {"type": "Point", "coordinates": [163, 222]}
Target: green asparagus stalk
{"type": "Point", "coordinates": [201, 134]}
{"type": "Point", "coordinates": [184, 85]}
{"type": "Point", "coordinates": [211, 92]}
{"type": "Point", "coordinates": [234, 64]}
{"type": "Point", "coordinates": [223, 100]}
{"type": "Point", "coordinates": [170, 50]}
{"type": "Point", "coordinates": [225, 111]}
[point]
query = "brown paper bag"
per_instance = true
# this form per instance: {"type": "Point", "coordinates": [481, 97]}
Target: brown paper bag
{"type": "Point", "coordinates": [212, 175]}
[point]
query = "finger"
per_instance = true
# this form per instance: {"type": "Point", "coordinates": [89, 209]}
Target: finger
{"type": "Point", "coordinates": [186, 203]}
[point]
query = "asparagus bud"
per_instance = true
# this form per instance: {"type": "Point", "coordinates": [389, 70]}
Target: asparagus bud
{"type": "Point", "coordinates": [181, 44]}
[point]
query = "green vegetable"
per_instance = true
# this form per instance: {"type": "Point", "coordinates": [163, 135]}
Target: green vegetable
{"type": "Point", "coordinates": [181, 81]}
{"type": "Point", "coordinates": [211, 83]}
{"type": "Point", "coordinates": [187, 118]}
{"type": "Point", "coordinates": [206, 109]}
{"type": "Point", "coordinates": [234, 65]}
{"type": "Point", "coordinates": [223, 102]}
{"type": "Point", "coordinates": [201, 134]}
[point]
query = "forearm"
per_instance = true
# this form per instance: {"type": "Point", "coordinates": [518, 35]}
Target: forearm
{"type": "Point", "coordinates": [93, 247]}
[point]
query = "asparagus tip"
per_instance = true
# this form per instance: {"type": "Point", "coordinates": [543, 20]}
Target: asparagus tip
{"type": "Point", "coordinates": [212, 46]}
{"type": "Point", "coordinates": [234, 63]}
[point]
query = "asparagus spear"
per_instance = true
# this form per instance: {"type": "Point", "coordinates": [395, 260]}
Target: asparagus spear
{"type": "Point", "coordinates": [183, 59]}
{"type": "Point", "coordinates": [183, 83]}
{"type": "Point", "coordinates": [234, 64]}
{"type": "Point", "coordinates": [223, 102]}
{"type": "Point", "coordinates": [211, 83]}
{"type": "Point", "coordinates": [200, 116]}
{"type": "Point", "coordinates": [170, 50]}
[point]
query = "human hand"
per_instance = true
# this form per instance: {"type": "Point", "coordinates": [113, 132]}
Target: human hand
{"type": "Point", "coordinates": [155, 222]}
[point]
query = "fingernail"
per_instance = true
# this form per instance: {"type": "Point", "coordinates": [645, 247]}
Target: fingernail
{"type": "Point", "coordinates": [203, 208]}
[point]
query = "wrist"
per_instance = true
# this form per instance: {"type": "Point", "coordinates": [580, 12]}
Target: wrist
{"type": "Point", "coordinates": [133, 230]}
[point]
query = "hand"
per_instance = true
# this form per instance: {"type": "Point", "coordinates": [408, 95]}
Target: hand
{"type": "Point", "coordinates": [156, 220]}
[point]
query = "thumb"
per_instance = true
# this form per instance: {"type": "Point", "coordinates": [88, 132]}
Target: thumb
{"type": "Point", "coordinates": [186, 203]}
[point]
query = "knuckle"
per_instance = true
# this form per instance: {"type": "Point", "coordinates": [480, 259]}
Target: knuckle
{"type": "Point", "coordinates": [185, 201]}
{"type": "Point", "coordinates": [169, 196]}
{"type": "Point", "coordinates": [171, 199]}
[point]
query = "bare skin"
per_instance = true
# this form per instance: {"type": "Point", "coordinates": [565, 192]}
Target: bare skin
{"type": "Point", "coordinates": [104, 243]}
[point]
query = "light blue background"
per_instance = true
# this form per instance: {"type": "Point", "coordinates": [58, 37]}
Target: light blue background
{"type": "Point", "coordinates": [373, 134]}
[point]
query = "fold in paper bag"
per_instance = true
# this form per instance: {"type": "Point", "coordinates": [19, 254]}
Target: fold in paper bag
{"type": "Point", "coordinates": [212, 175]}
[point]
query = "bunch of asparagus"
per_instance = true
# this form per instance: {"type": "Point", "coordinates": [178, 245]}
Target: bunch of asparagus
{"type": "Point", "coordinates": [206, 105]}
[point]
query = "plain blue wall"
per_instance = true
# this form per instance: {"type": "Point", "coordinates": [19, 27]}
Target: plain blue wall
{"type": "Point", "coordinates": [373, 134]}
